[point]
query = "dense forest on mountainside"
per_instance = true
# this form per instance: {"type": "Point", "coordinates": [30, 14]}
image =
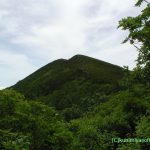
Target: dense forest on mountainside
{"type": "Point", "coordinates": [82, 103]}
{"type": "Point", "coordinates": [72, 86]}
{"type": "Point", "coordinates": [61, 73]}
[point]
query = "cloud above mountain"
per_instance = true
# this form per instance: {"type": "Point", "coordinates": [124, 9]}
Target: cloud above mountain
{"type": "Point", "coordinates": [35, 32]}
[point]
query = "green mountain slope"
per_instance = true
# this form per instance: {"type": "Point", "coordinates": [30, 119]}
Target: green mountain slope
{"type": "Point", "coordinates": [70, 83]}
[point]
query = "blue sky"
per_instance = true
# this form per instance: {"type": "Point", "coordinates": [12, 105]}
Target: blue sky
{"type": "Point", "coordinates": [36, 32]}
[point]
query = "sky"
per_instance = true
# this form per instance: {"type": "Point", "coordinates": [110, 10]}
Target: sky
{"type": "Point", "coordinates": [36, 32]}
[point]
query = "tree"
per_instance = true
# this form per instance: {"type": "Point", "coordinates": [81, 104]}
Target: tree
{"type": "Point", "coordinates": [139, 37]}
{"type": "Point", "coordinates": [30, 125]}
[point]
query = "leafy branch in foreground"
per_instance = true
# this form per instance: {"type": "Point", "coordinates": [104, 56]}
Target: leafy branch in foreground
{"type": "Point", "coordinates": [139, 37]}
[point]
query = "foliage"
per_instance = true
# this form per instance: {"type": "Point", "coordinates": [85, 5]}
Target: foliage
{"type": "Point", "coordinates": [29, 125]}
{"type": "Point", "coordinates": [62, 75]}
{"type": "Point", "coordinates": [139, 36]}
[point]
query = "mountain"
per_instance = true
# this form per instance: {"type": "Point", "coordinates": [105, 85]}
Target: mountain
{"type": "Point", "coordinates": [66, 83]}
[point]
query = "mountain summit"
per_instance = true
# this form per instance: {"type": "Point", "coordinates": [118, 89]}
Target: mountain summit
{"type": "Point", "coordinates": [70, 80]}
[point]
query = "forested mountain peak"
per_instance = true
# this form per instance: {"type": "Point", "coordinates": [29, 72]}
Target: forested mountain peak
{"type": "Point", "coordinates": [67, 83]}
{"type": "Point", "coordinates": [59, 72]}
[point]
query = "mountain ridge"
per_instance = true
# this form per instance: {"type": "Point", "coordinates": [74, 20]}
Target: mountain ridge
{"type": "Point", "coordinates": [70, 81]}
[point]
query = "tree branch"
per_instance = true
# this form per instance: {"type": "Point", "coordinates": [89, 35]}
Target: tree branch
{"type": "Point", "coordinates": [136, 46]}
{"type": "Point", "coordinates": [146, 1]}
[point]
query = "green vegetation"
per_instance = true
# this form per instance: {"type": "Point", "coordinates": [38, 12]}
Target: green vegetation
{"type": "Point", "coordinates": [81, 103]}
{"type": "Point", "coordinates": [72, 86]}
{"type": "Point", "coordinates": [27, 124]}
{"type": "Point", "coordinates": [139, 37]}
{"type": "Point", "coordinates": [30, 125]}
{"type": "Point", "coordinates": [61, 73]}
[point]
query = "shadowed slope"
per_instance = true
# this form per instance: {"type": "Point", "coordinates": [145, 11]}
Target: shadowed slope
{"type": "Point", "coordinates": [65, 83]}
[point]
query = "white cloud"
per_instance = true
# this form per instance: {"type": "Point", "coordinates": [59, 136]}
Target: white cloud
{"type": "Point", "coordinates": [39, 31]}
{"type": "Point", "coordinates": [13, 67]}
